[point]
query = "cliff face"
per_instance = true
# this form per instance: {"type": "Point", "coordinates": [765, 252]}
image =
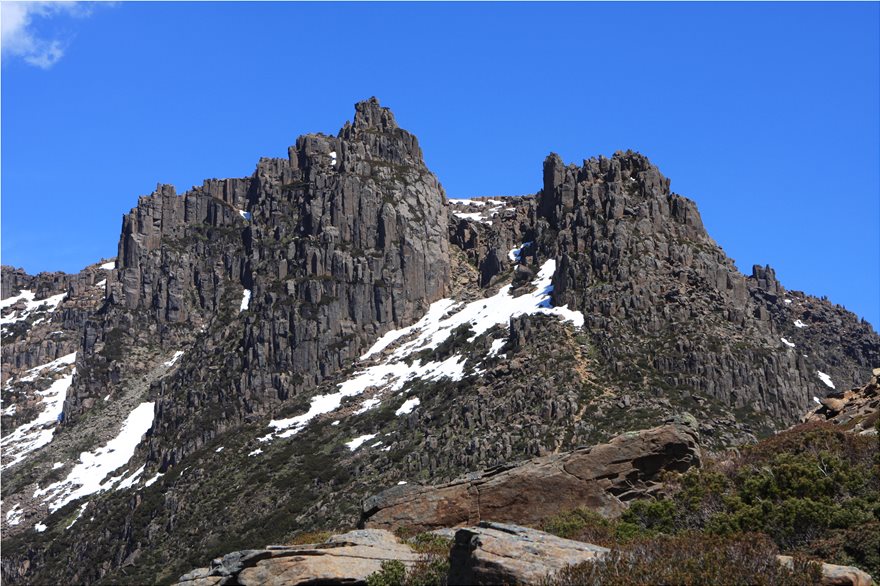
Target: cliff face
{"type": "Point", "coordinates": [290, 342]}
{"type": "Point", "coordinates": [665, 304]}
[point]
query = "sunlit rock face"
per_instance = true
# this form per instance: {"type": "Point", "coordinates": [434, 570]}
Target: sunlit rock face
{"type": "Point", "coordinates": [273, 349]}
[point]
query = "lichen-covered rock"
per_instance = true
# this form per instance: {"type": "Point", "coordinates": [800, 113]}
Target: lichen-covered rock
{"type": "Point", "coordinates": [500, 553]}
{"type": "Point", "coordinates": [343, 559]}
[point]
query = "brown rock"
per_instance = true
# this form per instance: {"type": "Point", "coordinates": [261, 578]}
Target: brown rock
{"type": "Point", "coordinates": [343, 559]}
{"type": "Point", "coordinates": [602, 478]}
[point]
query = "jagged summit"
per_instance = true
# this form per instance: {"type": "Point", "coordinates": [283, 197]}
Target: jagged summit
{"type": "Point", "coordinates": [375, 127]}
{"type": "Point", "coordinates": [369, 114]}
{"type": "Point", "coordinates": [297, 339]}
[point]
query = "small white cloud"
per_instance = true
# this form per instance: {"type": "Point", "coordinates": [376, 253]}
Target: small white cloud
{"type": "Point", "coordinates": [19, 36]}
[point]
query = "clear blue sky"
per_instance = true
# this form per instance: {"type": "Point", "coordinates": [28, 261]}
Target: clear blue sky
{"type": "Point", "coordinates": [765, 114]}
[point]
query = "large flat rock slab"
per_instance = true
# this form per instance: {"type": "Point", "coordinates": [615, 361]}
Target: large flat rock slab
{"type": "Point", "coordinates": [601, 477]}
{"type": "Point", "coordinates": [500, 553]}
{"type": "Point", "coordinates": [343, 559]}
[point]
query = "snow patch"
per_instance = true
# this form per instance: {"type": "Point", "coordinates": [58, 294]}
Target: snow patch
{"type": "Point", "coordinates": [246, 215]}
{"type": "Point", "coordinates": [496, 346]}
{"type": "Point", "coordinates": [82, 510]}
{"type": "Point", "coordinates": [87, 476]}
{"type": "Point", "coordinates": [108, 266]}
{"type": "Point", "coordinates": [13, 517]}
{"type": "Point", "coordinates": [484, 210]}
{"type": "Point", "coordinates": [475, 216]}
{"type": "Point", "coordinates": [55, 365]}
{"type": "Point", "coordinates": [402, 482]}
{"type": "Point", "coordinates": [174, 358]}
{"type": "Point", "coordinates": [256, 452]}
{"type": "Point", "coordinates": [39, 527]}
{"type": "Point", "coordinates": [245, 300]}
{"type": "Point", "coordinates": [153, 480]}
{"type": "Point", "coordinates": [220, 449]}
{"type": "Point", "coordinates": [516, 253]}
{"type": "Point", "coordinates": [408, 406]}
{"type": "Point", "coordinates": [358, 441]}
{"type": "Point", "coordinates": [799, 324]}
{"type": "Point", "coordinates": [825, 379]}
{"type": "Point", "coordinates": [333, 158]}
{"type": "Point", "coordinates": [129, 482]}
{"type": "Point", "coordinates": [48, 304]}
{"type": "Point", "coordinates": [437, 325]}
{"type": "Point", "coordinates": [787, 301]}
{"type": "Point", "coordinates": [367, 405]}
{"type": "Point", "coordinates": [37, 433]}
{"type": "Point", "coordinates": [787, 343]}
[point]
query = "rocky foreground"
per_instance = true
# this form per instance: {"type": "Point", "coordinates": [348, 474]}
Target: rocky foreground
{"type": "Point", "coordinates": [472, 548]}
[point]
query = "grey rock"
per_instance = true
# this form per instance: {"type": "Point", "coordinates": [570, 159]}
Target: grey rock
{"type": "Point", "coordinates": [500, 553]}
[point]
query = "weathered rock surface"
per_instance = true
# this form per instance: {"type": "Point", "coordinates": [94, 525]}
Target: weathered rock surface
{"type": "Point", "coordinates": [343, 559]}
{"type": "Point", "coordinates": [665, 306]}
{"type": "Point", "coordinates": [601, 477]}
{"type": "Point", "coordinates": [500, 553]}
{"type": "Point", "coordinates": [43, 319]}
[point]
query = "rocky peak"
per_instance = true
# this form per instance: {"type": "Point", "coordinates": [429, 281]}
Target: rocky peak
{"type": "Point", "coordinates": [369, 114]}
{"type": "Point", "coordinates": [375, 128]}
{"type": "Point", "coordinates": [625, 186]}
{"type": "Point", "coordinates": [246, 305]}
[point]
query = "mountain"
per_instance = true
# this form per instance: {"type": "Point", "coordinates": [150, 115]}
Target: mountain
{"type": "Point", "coordinates": [266, 352]}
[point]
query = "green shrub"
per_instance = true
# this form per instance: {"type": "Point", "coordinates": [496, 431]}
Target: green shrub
{"type": "Point", "coordinates": [393, 573]}
{"type": "Point", "coordinates": [430, 570]}
{"type": "Point", "coordinates": [581, 524]}
{"type": "Point", "coordinates": [805, 489]}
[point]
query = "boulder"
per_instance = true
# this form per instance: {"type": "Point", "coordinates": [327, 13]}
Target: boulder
{"type": "Point", "coordinates": [343, 559]}
{"type": "Point", "coordinates": [499, 553]}
{"type": "Point", "coordinates": [601, 477]}
{"type": "Point", "coordinates": [834, 575]}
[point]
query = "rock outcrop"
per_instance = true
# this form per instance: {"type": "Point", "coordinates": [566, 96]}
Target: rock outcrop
{"type": "Point", "coordinates": [835, 575]}
{"type": "Point", "coordinates": [500, 553]}
{"type": "Point", "coordinates": [856, 409]}
{"type": "Point", "coordinates": [666, 307]}
{"type": "Point", "coordinates": [602, 477]}
{"type": "Point", "coordinates": [487, 553]}
{"type": "Point", "coordinates": [343, 559]}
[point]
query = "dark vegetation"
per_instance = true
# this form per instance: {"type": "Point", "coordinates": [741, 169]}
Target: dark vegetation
{"type": "Point", "coordinates": [811, 491]}
{"type": "Point", "coordinates": [430, 570]}
{"type": "Point", "coordinates": [690, 558]}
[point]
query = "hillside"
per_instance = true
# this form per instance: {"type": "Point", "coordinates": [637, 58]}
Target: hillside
{"type": "Point", "coordinates": [266, 352]}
